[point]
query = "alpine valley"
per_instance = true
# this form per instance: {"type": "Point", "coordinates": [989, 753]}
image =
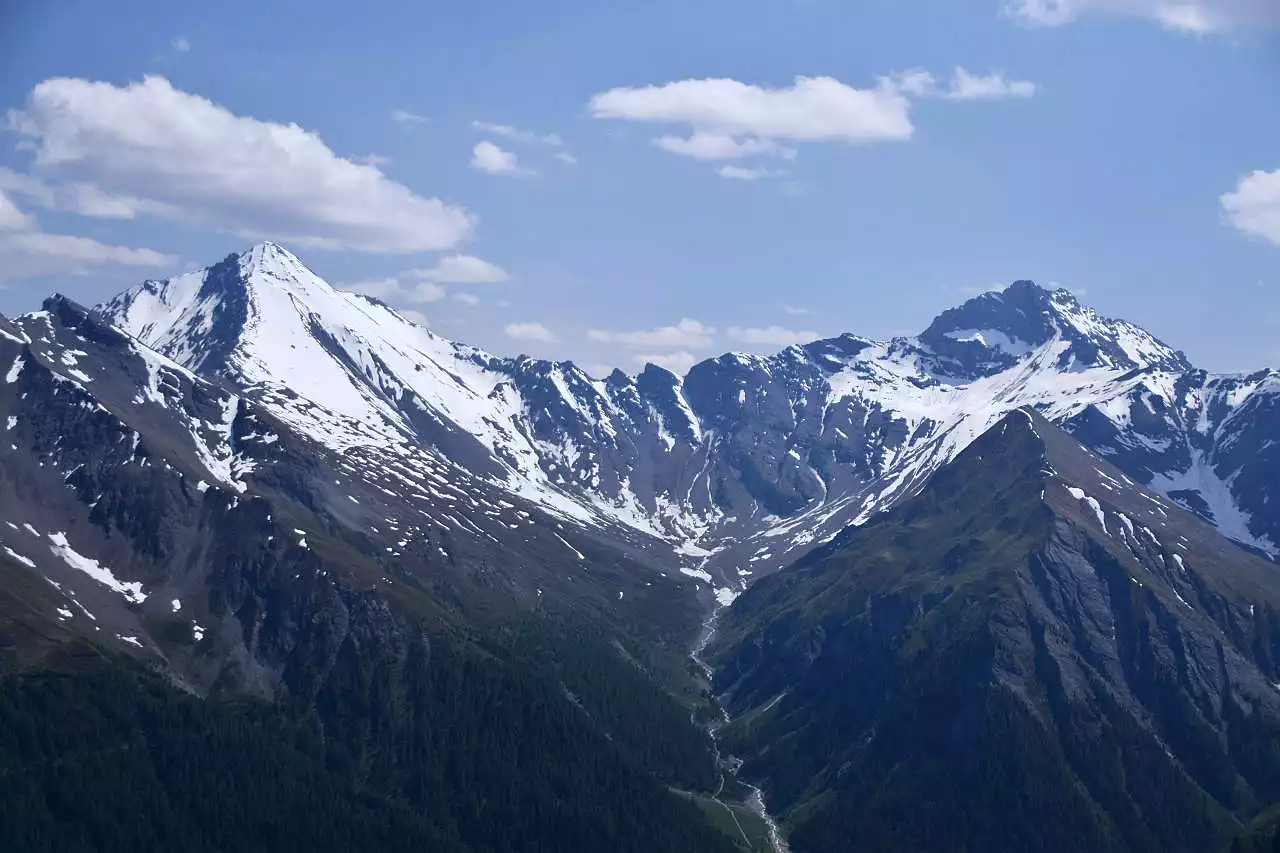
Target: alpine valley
{"type": "Point", "coordinates": [284, 570]}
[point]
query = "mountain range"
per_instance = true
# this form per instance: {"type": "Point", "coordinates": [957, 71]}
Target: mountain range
{"type": "Point", "coordinates": [248, 483]}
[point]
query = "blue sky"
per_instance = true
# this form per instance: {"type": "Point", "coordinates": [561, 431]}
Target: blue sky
{"type": "Point", "coordinates": [1126, 149]}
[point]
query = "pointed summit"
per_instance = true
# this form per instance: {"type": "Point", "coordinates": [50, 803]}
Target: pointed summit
{"type": "Point", "coordinates": [994, 331]}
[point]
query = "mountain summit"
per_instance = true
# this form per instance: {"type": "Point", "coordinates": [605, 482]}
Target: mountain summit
{"type": "Point", "coordinates": [993, 331]}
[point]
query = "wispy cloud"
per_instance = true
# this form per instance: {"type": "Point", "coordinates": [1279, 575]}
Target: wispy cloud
{"type": "Point", "coordinates": [677, 362]}
{"type": "Point", "coordinates": [776, 336]}
{"type": "Point", "coordinates": [463, 269]}
{"type": "Point", "coordinates": [963, 86]}
{"type": "Point", "coordinates": [739, 173]}
{"type": "Point", "coordinates": [530, 331]}
{"type": "Point", "coordinates": [26, 251]}
{"type": "Point", "coordinates": [518, 135]}
{"type": "Point", "coordinates": [686, 333]}
{"type": "Point", "coordinates": [1192, 16]}
{"type": "Point", "coordinates": [407, 117]}
{"type": "Point", "coordinates": [395, 289]}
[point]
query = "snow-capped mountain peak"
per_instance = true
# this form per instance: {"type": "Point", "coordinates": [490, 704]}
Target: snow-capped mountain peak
{"type": "Point", "coordinates": [745, 460]}
{"type": "Point", "coordinates": [990, 332]}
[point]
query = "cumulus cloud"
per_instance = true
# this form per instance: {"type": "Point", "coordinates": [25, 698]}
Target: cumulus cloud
{"type": "Point", "coordinates": [774, 336]}
{"type": "Point", "coordinates": [686, 333]}
{"type": "Point", "coordinates": [488, 157]}
{"type": "Point", "coordinates": [739, 173]}
{"type": "Point", "coordinates": [178, 155]}
{"type": "Point", "coordinates": [463, 269]}
{"type": "Point", "coordinates": [407, 117]}
{"type": "Point", "coordinates": [1254, 205]}
{"type": "Point", "coordinates": [677, 362]}
{"type": "Point", "coordinates": [530, 332]}
{"type": "Point", "coordinates": [1194, 16]}
{"type": "Point", "coordinates": [26, 251]}
{"type": "Point", "coordinates": [728, 117]}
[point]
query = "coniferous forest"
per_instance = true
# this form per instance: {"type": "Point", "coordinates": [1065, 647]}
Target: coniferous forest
{"type": "Point", "coordinates": [451, 749]}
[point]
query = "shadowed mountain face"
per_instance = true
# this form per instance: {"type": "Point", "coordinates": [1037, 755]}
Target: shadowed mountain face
{"type": "Point", "coordinates": [1034, 652]}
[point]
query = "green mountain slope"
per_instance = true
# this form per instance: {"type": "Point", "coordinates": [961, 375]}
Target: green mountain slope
{"type": "Point", "coordinates": [1032, 654]}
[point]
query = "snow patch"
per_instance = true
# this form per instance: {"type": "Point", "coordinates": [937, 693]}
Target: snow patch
{"type": "Point", "coordinates": [62, 549]}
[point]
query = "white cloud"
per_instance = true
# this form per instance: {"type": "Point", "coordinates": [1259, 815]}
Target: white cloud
{"type": "Point", "coordinates": [686, 333]}
{"type": "Point", "coordinates": [795, 310]}
{"type": "Point", "coordinates": [181, 45]}
{"type": "Point", "coordinates": [80, 251]}
{"type": "Point", "coordinates": [771, 336]}
{"type": "Point", "coordinates": [426, 291]}
{"type": "Point", "coordinates": [530, 332]}
{"type": "Point", "coordinates": [1254, 205]}
{"type": "Point", "coordinates": [374, 160]}
{"type": "Point", "coordinates": [917, 82]}
{"type": "Point", "coordinates": [467, 299]}
{"type": "Point", "coordinates": [379, 288]}
{"type": "Point", "coordinates": [720, 146]}
{"type": "Point", "coordinates": [413, 316]}
{"type": "Point", "coordinates": [988, 87]}
{"type": "Point", "coordinates": [677, 362]}
{"type": "Point", "coordinates": [182, 156]}
{"type": "Point", "coordinates": [738, 173]}
{"type": "Point", "coordinates": [393, 289]}
{"type": "Point", "coordinates": [812, 109]}
{"type": "Point", "coordinates": [407, 117]}
{"type": "Point", "coordinates": [463, 269]}
{"type": "Point", "coordinates": [565, 157]}
{"type": "Point", "coordinates": [519, 135]}
{"type": "Point", "coordinates": [488, 157]}
{"type": "Point", "coordinates": [27, 254]}
{"type": "Point", "coordinates": [964, 85]}
{"type": "Point", "coordinates": [728, 119]}
{"type": "Point", "coordinates": [80, 198]}
{"type": "Point", "coordinates": [11, 218]}
{"type": "Point", "coordinates": [971, 291]}
{"type": "Point", "coordinates": [26, 251]}
{"type": "Point", "coordinates": [1194, 16]}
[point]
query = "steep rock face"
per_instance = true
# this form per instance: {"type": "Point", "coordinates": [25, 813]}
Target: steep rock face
{"type": "Point", "coordinates": [1044, 651]}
